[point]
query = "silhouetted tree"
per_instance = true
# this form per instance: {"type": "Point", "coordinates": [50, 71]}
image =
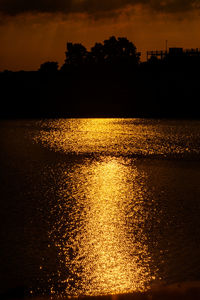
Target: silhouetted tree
{"type": "Point", "coordinates": [110, 49]}
{"type": "Point", "coordinates": [98, 53]}
{"type": "Point", "coordinates": [115, 51]}
{"type": "Point", "coordinates": [127, 51]}
{"type": "Point", "coordinates": [120, 50]}
{"type": "Point", "coordinates": [49, 67]}
{"type": "Point", "coordinates": [76, 54]}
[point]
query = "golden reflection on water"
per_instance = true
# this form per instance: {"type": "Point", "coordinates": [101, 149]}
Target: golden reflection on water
{"type": "Point", "coordinates": [104, 251]}
{"type": "Point", "coordinates": [136, 137]}
{"type": "Point", "coordinates": [83, 135]}
{"type": "Point", "coordinates": [100, 213]}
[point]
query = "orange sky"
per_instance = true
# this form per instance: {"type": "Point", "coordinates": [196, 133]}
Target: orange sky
{"type": "Point", "coordinates": [30, 39]}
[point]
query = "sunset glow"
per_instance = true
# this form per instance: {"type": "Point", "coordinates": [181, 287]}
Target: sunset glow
{"type": "Point", "coordinates": [34, 34]}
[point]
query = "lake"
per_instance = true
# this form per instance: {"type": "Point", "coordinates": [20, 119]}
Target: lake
{"type": "Point", "coordinates": [99, 206]}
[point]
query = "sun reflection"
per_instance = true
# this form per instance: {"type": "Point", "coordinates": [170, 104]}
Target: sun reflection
{"type": "Point", "coordinates": [81, 135]}
{"type": "Point", "coordinates": [106, 214]}
{"type": "Point", "coordinates": [98, 231]}
{"type": "Point", "coordinates": [116, 137]}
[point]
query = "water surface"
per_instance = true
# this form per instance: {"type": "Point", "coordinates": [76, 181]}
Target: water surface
{"type": "Point", "coordinates": [99, 206]}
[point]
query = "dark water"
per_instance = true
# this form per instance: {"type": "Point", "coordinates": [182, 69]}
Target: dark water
{"type": "Point", "coordinates": [99, 206]}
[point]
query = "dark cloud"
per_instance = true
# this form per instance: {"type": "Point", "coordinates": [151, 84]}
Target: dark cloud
{"type": "Point", "coordinates": [92, 7]}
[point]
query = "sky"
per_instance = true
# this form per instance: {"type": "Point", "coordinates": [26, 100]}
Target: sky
{"type": "Point", "coordinates": [35, 31]}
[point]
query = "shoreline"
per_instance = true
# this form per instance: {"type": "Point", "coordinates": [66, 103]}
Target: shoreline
{"type": "Point", "coordinates": [178, 291]}
{"type": "Point", "coordinates": [140, 94]}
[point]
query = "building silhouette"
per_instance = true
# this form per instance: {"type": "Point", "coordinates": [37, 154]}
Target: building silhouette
{"type": "Point", "coordinates": [173, 52]}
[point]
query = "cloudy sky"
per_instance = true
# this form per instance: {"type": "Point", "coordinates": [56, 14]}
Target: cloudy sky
{"type": "Point", "coordinates": [34, 31]}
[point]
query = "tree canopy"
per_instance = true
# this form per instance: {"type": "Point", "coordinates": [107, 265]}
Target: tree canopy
{"type": "Point", "coordinates": [49, 67]}
{"type": "Point", "coordinates": [114, 51]}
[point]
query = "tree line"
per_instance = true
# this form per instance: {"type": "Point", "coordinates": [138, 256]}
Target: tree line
{"type": "Point", "coordinates": [108, 80]}
{"type": "Point", "coordinates": [113, 51]}
{"type": "Point", "coordinates": [117, 55]}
